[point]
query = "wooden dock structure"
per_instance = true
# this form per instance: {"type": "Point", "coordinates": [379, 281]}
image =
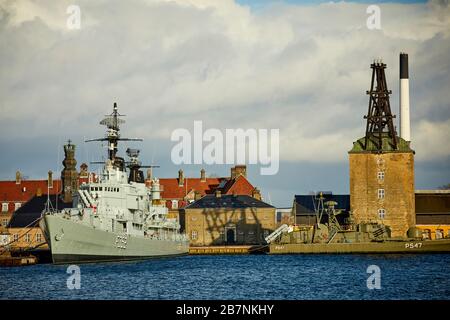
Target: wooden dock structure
{"type": "Point", "coordinates": [7, 260]}
{"type": "Point", "coordinates": [207, 250]}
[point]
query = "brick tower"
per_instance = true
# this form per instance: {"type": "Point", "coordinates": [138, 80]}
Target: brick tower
{"type": "Point", "coordinates": [69, 175]}
{"type": "Point", "coordinates": [382, 165]}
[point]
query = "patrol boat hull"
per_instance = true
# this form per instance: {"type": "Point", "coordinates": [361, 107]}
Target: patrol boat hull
{"type": "Point", "coordinates": [425, 246]}
{"type": "Point", "coordinates": [72, 242]}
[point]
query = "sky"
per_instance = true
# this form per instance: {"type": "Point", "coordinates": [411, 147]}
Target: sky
{"type": "Point", "coordinates": [302, 67]}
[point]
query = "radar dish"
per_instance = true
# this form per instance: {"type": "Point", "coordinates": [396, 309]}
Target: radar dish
{"type": "Point", "coordinates": [112, 122]}
{"type": "Point", "coordinates": [133, 153]}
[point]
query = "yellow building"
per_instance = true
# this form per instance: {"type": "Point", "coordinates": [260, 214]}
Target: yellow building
{"type": "Point", "coordinates": [433, 213]}
{"type": "Point", "coordinates": [228, 220]}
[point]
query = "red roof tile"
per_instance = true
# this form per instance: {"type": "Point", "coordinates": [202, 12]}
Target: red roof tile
{"type": "Point", "coordinates": [13, 192]}
{"type": "Point", "coordinates": [239, 186]}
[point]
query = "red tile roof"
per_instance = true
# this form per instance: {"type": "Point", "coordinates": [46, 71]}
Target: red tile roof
{"type": "Point", "coordinates": [173, 191]}
{"type": "Point", "coordinates": [239, 186]}
{"type": "Point", "coordinates": [13, 192]}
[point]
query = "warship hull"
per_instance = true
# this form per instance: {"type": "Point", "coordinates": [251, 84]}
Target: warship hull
{"type": "Point", "coordinates": [72, 242]}
{"type": "Point", "coordinates": [385, 247]}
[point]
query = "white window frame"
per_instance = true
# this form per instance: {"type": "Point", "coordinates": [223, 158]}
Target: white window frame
{"type": "Point", "coordinates": [174, 204]}
{"type": "Point", "coordinates": [382, 213]}
{"type": "Point", "coordinates": [17, 205]}
{"type": "Point", "coordinates": [381, 194]}
{"type": "Point", "coordinates": [194, 235]}
{"type": "Point", "coordinates": [5, 206]}
{"type": "Point", "coordinates": [380, 175]}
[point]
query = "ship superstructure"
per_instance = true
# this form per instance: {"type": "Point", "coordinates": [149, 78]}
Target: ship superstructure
{"type": "Point", "coordinates": [117, 217]}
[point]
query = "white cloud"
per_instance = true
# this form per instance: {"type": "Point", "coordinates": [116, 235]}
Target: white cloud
{"type": "Point", "coordinates": [303, 69]}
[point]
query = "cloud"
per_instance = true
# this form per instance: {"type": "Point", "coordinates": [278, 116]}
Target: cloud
{"type": "Point", "coordinates": [302, 69]}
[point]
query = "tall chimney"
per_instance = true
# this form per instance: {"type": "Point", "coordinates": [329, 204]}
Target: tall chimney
{"type": "Point", "coordinates": [405, 125]}
{"type": "Point", "coordinates": [180, 178]}
{"type": "Point", "coordinates": [50, 179]}
{"type": "Point", "coordinates": [202, 175]}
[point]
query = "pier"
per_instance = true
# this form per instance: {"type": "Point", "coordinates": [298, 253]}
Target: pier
{"type": "Point", "coordinates": [211, 250]}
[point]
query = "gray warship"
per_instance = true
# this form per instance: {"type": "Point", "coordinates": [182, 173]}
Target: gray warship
{"type": "Point", "coordinates": [332, 237]}
{"type": "Point", "coordinates": [116, 218]}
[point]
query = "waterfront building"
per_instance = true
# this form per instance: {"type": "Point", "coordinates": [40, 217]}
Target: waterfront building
{"type": "Point", "coordinates": [433, 213]}
{"type": "Point", "coordinates": [382, 165]}
{"type": "Point", "coordinates": [179, 192]}
{"type": "Point", "coordinates": [218, 219]}
{"type": "Point", "coordinates": [14, 194]}
{"type": "Point", "coordinates": [23, 200]}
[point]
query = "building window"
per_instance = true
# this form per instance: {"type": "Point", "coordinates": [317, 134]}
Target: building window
{"type": "Point", "coordinates": [16, 237]}
{"type": "Point", "coordinates": [380, 175]}
{"type": "Point", "coordinates": [16, 205]}
{"type": "Point", "coordinates": [4, 222]}
{"type": "Point", "coordinates": [174, 204]}
{"type": "Point", "coordinates": [194, 235]}
{"type": "Point", "coordinates": [5, 207]}
{"type": "Point", "coordinates": [250, 233]}
{"type": "Point", "coordinates": [380, 193]}
{"type": "Point", "coordinates": [381, 213]}
{"type": "Point", "coordinates": [27, 238]}
{"type": "Point", "coordinates": [39, 237]}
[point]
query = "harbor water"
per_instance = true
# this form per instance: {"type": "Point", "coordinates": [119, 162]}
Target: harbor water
{"type": "Point", "coordinates": [327, 277]}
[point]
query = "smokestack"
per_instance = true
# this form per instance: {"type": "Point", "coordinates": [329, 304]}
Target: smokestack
{"type": "Point", "coordinates": [405, 125]}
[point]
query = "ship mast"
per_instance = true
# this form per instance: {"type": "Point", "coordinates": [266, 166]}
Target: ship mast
{"type": "Point", "coordinates": [113, 122]}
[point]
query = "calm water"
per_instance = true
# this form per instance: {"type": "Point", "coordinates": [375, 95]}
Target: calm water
{"type": "Point", "coordinates": [239, 277]}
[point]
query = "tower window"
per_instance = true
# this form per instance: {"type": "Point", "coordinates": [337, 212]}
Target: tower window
{"type": "Point", "coordinates": [380, 193]}
{"type": "Point", "coordinates": [380, 175]}
{"type": "Point", "coordinates": [194, 235]}
{"type": "Point", "coordinates": [381, 213]}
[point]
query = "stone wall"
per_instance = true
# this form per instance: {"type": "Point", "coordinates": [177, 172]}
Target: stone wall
{"type": "Point", "coordinates": [366, 171]}
{"type": "Point", "coordinates": [218, 226]}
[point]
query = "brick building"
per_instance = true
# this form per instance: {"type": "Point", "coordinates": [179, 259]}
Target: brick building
{"type": "Point", "coordinates": [14, 194]}
{"type": "Point", "coordinates": [382, 166]}
{"type": "Point", "coordinates": [218, 219]}
{"type": "Point", "coordinates": [24, 200]}
{"type": "Point", "coordinates": [180, 192]}
{"type": "Point", "coordinates": [433, 213]}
